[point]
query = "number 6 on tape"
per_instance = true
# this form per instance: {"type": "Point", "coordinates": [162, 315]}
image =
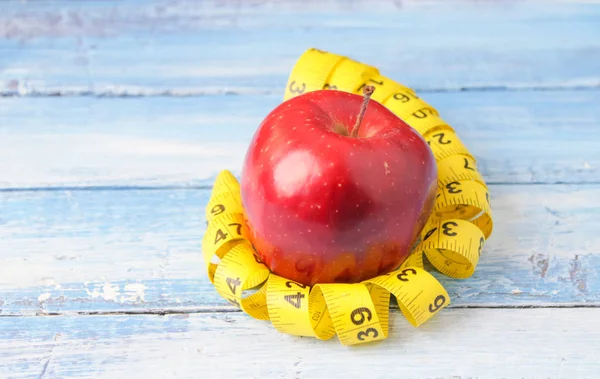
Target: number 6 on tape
{"type": "Point", "coordinates": [353, 314]}
{"type": "Point", "coordinates": [418, 293]}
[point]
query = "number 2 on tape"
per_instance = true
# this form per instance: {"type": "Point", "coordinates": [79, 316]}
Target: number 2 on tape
{"type": "Point", "coordinates": [452, 239]}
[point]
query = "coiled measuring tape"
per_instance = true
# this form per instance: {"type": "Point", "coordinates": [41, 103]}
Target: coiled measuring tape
{"type": "Point", "coordinates": [452, 240]}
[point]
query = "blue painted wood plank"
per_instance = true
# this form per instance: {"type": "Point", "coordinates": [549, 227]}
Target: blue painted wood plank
{"type": "Point", "coordinates": [186, 47]}
{"type": "Point", "coordinates": [134, 251]}
{"type": "Point", "coordinates": [485, 343]}
{"type": "Point", "coordinates": [517, 137]}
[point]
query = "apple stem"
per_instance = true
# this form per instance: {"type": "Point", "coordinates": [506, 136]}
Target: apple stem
{"type": "Point", "coordinates": [367, 92]}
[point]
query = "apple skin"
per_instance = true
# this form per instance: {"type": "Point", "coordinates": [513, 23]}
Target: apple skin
{"type": "Point", "coordinates": [323, 207]}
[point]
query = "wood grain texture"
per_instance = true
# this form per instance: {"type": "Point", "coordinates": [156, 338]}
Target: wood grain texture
{"type": "Point", "coordinates": [517, 137]}
{"type": "Point", "coordinates": [115, 48]}
{"type": "Point", "coordinates": [139, 251]}
{"type": "Point", "coordinates": [457, 343]}
{"type": "Point", "coordinates": [103, 185]}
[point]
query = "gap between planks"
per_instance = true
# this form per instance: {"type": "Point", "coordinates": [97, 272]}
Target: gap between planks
{"type": "Point", "coordinates": [135, 92]}
{"type": "Point", "coordinates": [227, 309]}
{"type": "Point", "coordinates": [155, 237]}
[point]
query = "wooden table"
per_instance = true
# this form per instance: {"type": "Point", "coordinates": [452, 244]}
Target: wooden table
{"type": "Point", "coordinates": [115, 117]}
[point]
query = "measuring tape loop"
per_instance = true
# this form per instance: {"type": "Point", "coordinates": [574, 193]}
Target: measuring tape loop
{"type": "Point", "coordinates": [409, 112]}
{"type": "Point", "coordinates": [352, 313]}
{"type": "Point", "coordinates": [452, 239]}
{"type": "Point", "coordinates": [288, 303]}
{"type": "Point", "coordinates": [225, 202]}
{"type": "Point", "coordinates": [222, 234]}
{"type": "Point", "coordinates": [444, 143]}
{"type": "Point", "coordinates": [356, 313]}
{"type": "Point", "coordinates": [418, 293]}
{"type": "Point", "coordinates": [239, 271]}
{"type": "Point", "coordinates": [226, 183]}
{"type": "Point", "coordinates": [385, 89]}
{"type": "Point", "coordinates": [452, 246]}
{"type": "Point", "coordinates": [413, 260]}
{"type": "Point", "coordinates": [225, 197]}
{"type": "Point", "coordinates": [405, 103]}
{"type": "Point", "coordinates": [425, 121]}
{"type": "Point", "coordinates": [350, 74]}
{"type": "Point", "coordinates": [457, 168]}
{"type": "Point", "coordinates": [311, 72]}
{"type": "Point", "coordinates": [465, 200]}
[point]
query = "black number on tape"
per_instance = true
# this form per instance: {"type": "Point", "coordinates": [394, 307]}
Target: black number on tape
{"type": "Point", "coordinates": [294, 299]}
{"type": "Point", "coordinates": [423, 113]}
{"type": "Point", "coordinates": [239, 228]}
{"type": "Point", "coordinates": [437, 303]}
{"type": "Point", "coordinates": [448, 230]}
{"type": "Point", "coordinates": [329, 86]}
{"type": "Point", "coordinates": [467, 165]}
{"type": "Point", "coordinates": [404, 274]}
{"type": "Point", "coordinates": [403, 98]}
{"type": "Point", "coordinates": [429, 234]}
{"type": "Point", "coordinates": [481, 242]}
{"type": "Point", "coordinates": [233, 283]}
{"type": "Point", "coordinates": [220, 236]}
{"type": "Point", "coordinates": [440, 138]}
{"type": "Point", "coordinates": [217, 209]}
{"type": "Point", "coordinates": [234, 302]}
{"type": "Point", "coordinates": [361, 312]}
{"type": "Point", "coordinates": [453, 187]}
{"type": "Point", "coordinates": [297, 88]}
{"type": "Point", "coordinates": [289, 284]}
{"type": "Point", "coordinates": [316, 316]}
{"type": "Point", "coordinates": [361, 335]}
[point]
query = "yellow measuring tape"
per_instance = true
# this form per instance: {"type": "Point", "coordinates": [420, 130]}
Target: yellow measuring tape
{"type": "Point", "coordinates": [452, 240]}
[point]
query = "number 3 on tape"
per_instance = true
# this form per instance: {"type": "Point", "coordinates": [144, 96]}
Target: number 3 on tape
{"type": "Point", "coordinates": [352, 312]}
{"type": "Point", "coordinates": [418, 293]}
{"type": "Point", "coordinates": [452, 239]}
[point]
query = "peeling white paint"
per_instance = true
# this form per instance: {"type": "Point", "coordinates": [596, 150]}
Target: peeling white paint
{"type": "Point", "coordinates": [110, 291]}
{"type": "Point", "coordinates": [133, 292]}
{"type": "Point", "coordinates": [107, 291]}
{"type": "Point", "coordinates": [93, 293]}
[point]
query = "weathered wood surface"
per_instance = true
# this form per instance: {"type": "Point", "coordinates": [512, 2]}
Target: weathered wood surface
{"type": "Point", "coordinates": [116, 115]}
{"type": "Point", "coordinates": [247, 47]}
{"type": "Point", "coordinates": [517, 137]}
{"type": "Point", "coordinates": [457, 343]}
{"type": "Point", "coordinates": [106, 251]}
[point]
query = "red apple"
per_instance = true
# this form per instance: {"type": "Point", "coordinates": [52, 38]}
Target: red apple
{"type": "Point", "coordinates": [326, 204]}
